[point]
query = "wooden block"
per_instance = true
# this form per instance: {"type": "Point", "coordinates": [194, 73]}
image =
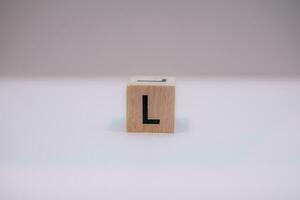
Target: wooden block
{"type": "Point", "coordinates": [151, 104]}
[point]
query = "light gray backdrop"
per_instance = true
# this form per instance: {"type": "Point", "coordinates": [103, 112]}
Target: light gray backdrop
{"type": "Point", "coordinates": [183, 38]}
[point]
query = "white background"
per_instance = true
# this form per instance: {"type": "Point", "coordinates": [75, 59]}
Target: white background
{"type": "Point", "coordinates": [66, 139]}
{"type": "Point", "coordinates": [64, 66]}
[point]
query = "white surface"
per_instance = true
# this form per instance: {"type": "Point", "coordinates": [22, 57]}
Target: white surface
{"type": "Point", "coordinates": [65, 139]}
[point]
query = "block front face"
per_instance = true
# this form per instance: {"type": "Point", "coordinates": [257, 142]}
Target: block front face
{"type": "Point", "coordinates": [150, 108]}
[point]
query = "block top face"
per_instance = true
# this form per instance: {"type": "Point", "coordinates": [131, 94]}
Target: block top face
{"type": "Point", "coordinates": [152, 80]}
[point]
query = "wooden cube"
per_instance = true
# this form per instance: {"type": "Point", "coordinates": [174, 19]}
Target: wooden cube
{"type": "Point", "coordinates": [151, 104]}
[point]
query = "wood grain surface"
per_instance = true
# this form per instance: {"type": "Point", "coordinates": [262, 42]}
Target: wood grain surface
{"type": "Point", "coordinates": [161, 105]}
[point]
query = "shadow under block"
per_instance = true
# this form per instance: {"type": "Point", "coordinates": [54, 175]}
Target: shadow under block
{"type": "Point", "coordinates": [151, 104]}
